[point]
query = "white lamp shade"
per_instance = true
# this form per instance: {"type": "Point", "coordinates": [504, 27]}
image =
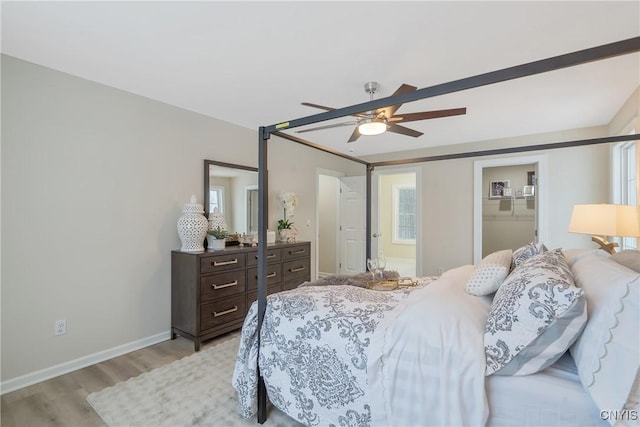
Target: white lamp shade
{"type": "Point", "coordinates": [606, 220]}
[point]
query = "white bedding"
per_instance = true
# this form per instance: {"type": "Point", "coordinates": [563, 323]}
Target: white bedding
{"type": "Point", "coordinates": [552, 397]}
{"type": "Point", "coordinates": [342, 355]}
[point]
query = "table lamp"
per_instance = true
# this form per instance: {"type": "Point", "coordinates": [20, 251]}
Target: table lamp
{"type": "Point", "coordinates": [606, 220]}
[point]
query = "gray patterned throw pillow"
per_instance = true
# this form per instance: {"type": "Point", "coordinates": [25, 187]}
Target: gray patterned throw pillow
{"type": "Point", "coordinates": [536, 314]}
{"type": "Point", "coordinates": [522, 254]}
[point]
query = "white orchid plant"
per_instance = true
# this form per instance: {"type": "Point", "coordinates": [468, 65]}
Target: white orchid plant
{"type": "Point", "coordinates": [289, 202]}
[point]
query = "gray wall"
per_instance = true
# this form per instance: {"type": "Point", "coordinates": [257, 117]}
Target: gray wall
{"type": "Point", "coordinates": [328, 218]}
{"type": "Point", "coordinates": [293, 167]}
{"type": "Point", "coordinates": [93, 183]}
{"type": "Point", "coordinates": [574, 175]}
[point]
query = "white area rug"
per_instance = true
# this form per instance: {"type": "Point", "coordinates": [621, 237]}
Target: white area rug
{"type": "Point", "coordinates": [193, 391]}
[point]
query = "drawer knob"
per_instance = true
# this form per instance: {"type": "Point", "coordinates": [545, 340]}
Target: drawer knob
{"type": "Point", "coordinates": [301, 251]}
{"type": "Point", "coordinates": [225, 285]}
{"type": "Point", "coordinates": [295, 270]}
{"type": "Point", "coordinates": [222, 313]}
{"type": "Point", "coordinates": [216, 263]}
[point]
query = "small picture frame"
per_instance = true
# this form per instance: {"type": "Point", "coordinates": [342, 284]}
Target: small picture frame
{"type": "Point", "coordinates": [531, 178]}
{"type": "Point", "coordinates": [528, 190]}
{"type": "Point", "coordinates": [496, 188]}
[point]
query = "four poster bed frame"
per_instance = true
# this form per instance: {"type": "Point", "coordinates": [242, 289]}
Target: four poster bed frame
{"type": "Point", "coordinates": [598, 53]}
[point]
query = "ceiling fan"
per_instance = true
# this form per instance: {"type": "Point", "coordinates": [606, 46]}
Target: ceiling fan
{"type": "Point", "coordinates": [384, 119]}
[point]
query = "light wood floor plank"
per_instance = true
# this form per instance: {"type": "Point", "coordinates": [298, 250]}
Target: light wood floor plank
{"type": "Point", "coordinates": [62, 401]}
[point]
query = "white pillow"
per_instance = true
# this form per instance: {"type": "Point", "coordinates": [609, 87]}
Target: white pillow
{"type": "Point", "coordinates": [630, 258]}
{"type": "Point", "coordinates": [489, 273]}
{"type": "Point", "coordinates": [571, 255]}
{"type": "Point", "coordinates": [607, 353]}
{"type": "Point", "coordinates": [537, 313]}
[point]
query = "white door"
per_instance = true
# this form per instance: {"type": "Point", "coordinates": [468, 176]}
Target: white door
{"type": "Point", "coordinates": [352, 224]}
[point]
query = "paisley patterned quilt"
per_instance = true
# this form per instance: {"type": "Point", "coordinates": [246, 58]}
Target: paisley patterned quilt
{"type": "Point", "coordinates": [349, 356]}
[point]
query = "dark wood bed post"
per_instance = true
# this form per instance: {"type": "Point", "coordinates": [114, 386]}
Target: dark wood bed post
{"type": "Point", "coordinates": [263, 219]}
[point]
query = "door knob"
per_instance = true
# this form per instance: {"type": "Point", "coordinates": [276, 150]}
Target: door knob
{"type": "Point", "coordinates": [377, 234]}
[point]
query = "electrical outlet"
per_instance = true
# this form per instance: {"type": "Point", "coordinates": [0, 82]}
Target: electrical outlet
{"type": "Point", "coordinates": [60, 327]}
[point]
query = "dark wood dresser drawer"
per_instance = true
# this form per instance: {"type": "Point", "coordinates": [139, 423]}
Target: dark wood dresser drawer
{"type": "Point", "coordinates": [296, 269]}
{"type": "Point", "coordinates": [274, 276]}
{"type": "Point", "coordinates": [222, 285]}
{"type": "Point", "coordinates": [219, 312]}
{"type": "Point", "coordinates": [214, 264]}
{"type": "Point", "coordinates": [273, 255]}
{"type": "Point", "coordinates": [297, 251]}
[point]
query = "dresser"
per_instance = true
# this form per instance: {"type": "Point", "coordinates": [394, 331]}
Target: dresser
{"type": "Point", "coordinates": [211, 292]}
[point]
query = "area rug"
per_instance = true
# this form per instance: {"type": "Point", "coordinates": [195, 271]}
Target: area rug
{"type": "Point", "coordinates": [193, 391]}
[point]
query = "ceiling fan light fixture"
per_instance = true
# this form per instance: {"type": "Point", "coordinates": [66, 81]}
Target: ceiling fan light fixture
{"type": "Point", "coordinates": [372, 126]}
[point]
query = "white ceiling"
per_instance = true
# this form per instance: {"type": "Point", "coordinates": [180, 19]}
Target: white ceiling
{"type": "Point", "coordinates": [253, 63]}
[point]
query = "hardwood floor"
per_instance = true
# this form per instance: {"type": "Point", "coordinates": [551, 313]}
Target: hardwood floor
{"type": "Point", "coordinates": [61, 401]}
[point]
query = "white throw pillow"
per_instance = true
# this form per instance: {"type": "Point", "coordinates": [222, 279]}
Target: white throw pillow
{"type": "Point", "coordinates": [537, 313]}
{"type": "Point", "coordinates": [489, 273]}
{"type": "Point", "coordinates": [607, 354]}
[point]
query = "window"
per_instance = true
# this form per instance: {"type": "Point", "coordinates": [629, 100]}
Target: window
{"type": "Point", "coordinates": [625, 181]}
{"type": "Point", "coordinates": [628, 181]}
{"type": "Point", "coordinates": [216, 199]}
{"type": "Point", "coordinates": [404, 214]}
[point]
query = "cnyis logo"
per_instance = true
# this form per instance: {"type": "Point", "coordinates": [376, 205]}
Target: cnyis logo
{"type": "Point", "coordinates": [619, 415]}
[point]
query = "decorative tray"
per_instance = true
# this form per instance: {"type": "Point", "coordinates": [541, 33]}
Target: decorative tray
{"type": "Point", "coordinates": [383, 285]}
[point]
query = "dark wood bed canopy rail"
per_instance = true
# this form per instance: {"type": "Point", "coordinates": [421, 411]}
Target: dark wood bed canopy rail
{"type": "Point", "coordinates": [597, 53]}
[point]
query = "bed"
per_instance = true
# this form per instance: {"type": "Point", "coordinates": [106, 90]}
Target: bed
{"type": "Point", "coordinates": [474, 408]}
{"type": "Point", "coordinates": [424, 355]}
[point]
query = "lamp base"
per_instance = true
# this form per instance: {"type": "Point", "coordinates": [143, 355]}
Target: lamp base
{"type": "Point", "coordinates": [605, 245]}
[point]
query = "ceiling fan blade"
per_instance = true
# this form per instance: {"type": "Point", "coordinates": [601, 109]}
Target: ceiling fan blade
{"type": "Point", "coordinates": [391, 109]}
{"type": "Point", "coordinates": [355, 135]}
{"type": "Point", "coordinates": [412, 117]}
{"type": "Point", "coordinates": [322, 107]}
{"type": "Point", "coordinates": [336, 125]}
{"type": "Point", "coordinates": [392, 127]}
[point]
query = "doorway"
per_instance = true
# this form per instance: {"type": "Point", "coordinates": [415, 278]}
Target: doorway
{"type": "Point", "coordinates": [328, 220]}
{"type": "Point", "coordinates": [341, 223]}
{"type": "Point", "coordinates": [395, 219]}
{"type": "Point", "coordinates": [509, 203]}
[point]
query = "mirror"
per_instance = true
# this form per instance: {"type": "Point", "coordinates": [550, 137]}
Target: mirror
{"type": "Point", "coordinates": [233, 189]}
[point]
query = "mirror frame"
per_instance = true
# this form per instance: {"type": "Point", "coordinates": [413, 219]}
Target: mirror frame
{"type": "Point", "coordinates": [208, 163]}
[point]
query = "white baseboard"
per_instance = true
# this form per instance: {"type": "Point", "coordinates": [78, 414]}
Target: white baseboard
{"type": "Point", "coordinates": [321, 274]}
{"type": "Point", "coordinates": [82, 362]}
